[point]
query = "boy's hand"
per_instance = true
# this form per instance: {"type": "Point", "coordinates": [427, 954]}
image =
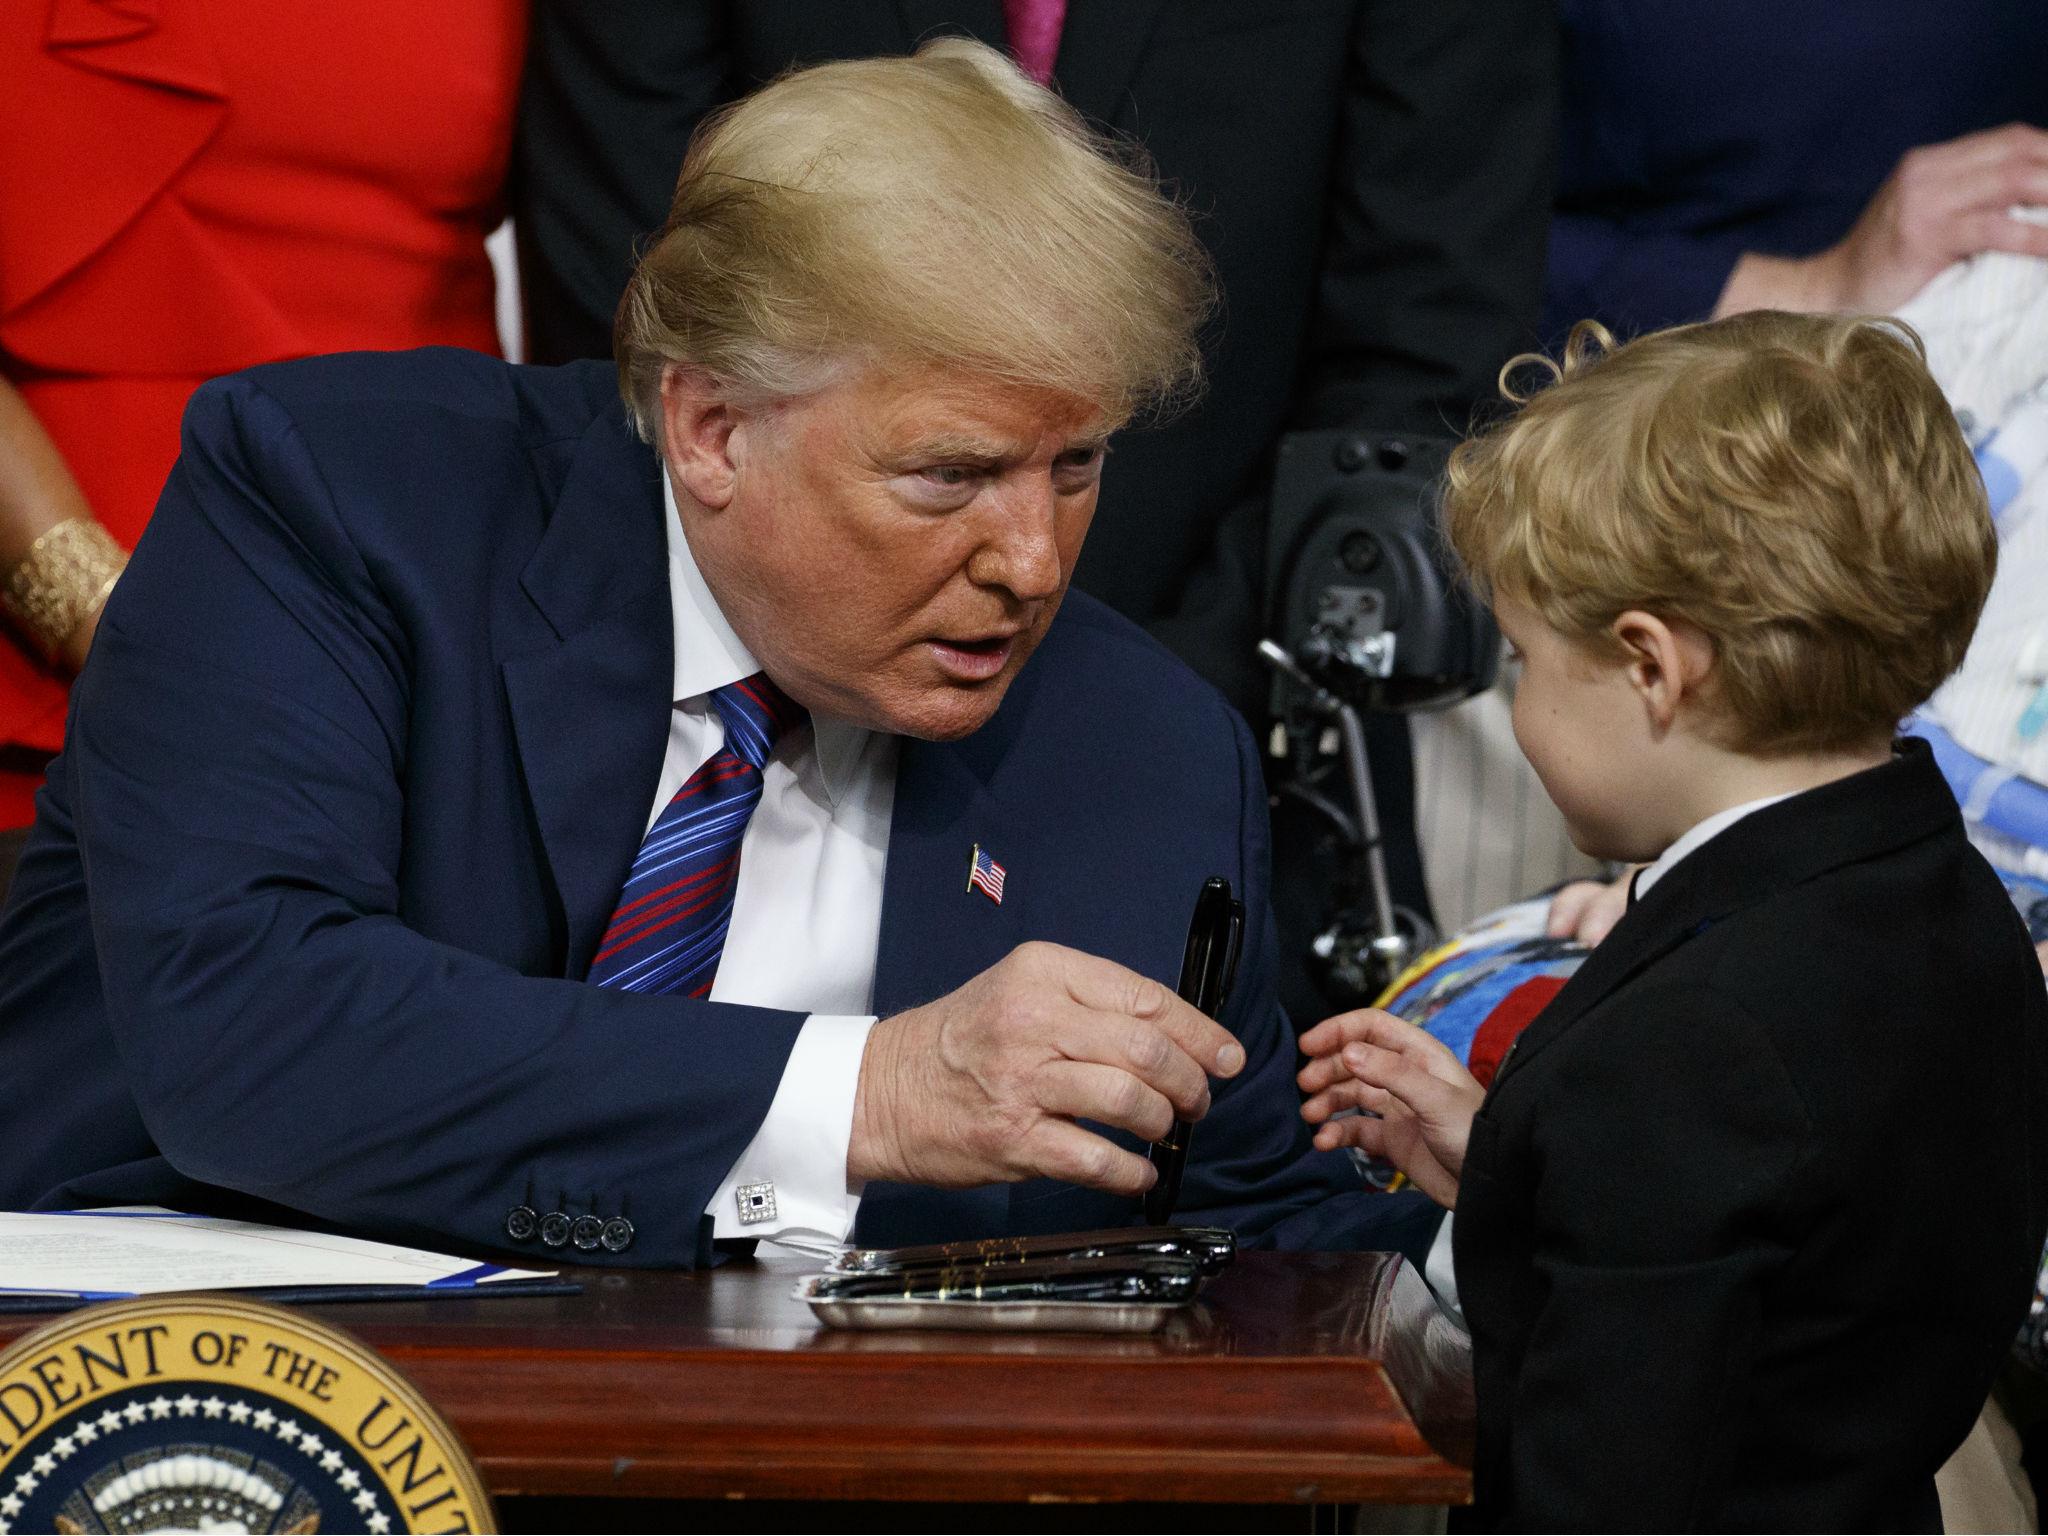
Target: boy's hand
{"type": "Point", "coordinates": [1422, 1094]}
{"type": "Point", "coordinates": [1587, 910]}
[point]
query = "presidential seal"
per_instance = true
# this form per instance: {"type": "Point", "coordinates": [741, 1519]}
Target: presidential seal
{"type": "Point", "coordinates": [203, 1413]}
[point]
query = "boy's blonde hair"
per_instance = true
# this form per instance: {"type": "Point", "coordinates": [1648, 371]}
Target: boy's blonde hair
{"type": "Point", "coordinates": [1793, 485]}
{"type": "Point", "coordinates": [940, 209]}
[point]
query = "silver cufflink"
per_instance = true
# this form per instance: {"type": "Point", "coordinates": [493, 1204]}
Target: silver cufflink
{"type": "Point", "coordinates": [756, 1202]}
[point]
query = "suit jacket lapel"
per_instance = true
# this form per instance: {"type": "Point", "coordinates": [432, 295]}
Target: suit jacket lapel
{"type": "Point", "coordinates": [936, 933]}
{"type": "Point", "coordinates": [1858, 817]}
{"type": "Point", "coordinates": [590, 703]}
{"type": "Point", "coordinates": [1650, 930]}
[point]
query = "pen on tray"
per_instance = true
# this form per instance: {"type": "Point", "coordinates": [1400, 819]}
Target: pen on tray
{"type": "Point", "coordinates": [1207, 969]}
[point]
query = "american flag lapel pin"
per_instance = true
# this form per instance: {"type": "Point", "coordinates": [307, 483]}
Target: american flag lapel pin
{"type": "Point", "coordinates": [986, 874]}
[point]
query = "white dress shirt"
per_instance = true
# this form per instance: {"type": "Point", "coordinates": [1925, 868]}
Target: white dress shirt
{"type": "Point", "coordinates": [806, 916]}
{"type": "Point", "coordinates": [1439, 1269]}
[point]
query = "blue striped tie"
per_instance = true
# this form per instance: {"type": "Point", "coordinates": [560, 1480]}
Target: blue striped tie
{"type": "Point", "coordinates": [669, 927]}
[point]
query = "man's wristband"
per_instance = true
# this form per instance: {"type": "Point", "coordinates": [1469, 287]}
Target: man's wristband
{"type": "Point", "coordinates": [62, 581]}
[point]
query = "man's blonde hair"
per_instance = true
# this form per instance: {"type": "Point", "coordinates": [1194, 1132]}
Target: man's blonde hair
{"type": "Point", "coordinates": [935, 209]}
{"type": "Point", "coordinates": [1793, 485]}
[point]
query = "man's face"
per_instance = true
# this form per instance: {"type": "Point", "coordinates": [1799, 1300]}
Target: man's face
{"type": "Point", "coordinates": [893, 547]}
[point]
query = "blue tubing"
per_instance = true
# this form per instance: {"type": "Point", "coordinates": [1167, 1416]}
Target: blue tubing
{"type": "Point", "coordinates": [2018, 808]}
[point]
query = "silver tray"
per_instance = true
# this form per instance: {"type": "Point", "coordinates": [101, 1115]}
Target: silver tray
{"type": "Point", "coordinates": [990, 1316]}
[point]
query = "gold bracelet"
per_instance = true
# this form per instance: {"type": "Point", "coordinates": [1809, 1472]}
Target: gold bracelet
{"type": "Point", "coordinates": [62, 581]}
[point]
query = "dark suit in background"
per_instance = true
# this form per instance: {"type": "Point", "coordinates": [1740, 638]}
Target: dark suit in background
{"type": "Point", "coordinates": [1372, 178]}
{"type": "Point", "coordinates": [1754, 1206]}
{"type": "Point", "coordinates": [1693, 133]}
{"type": "Point", "coordinates": [364, 751]}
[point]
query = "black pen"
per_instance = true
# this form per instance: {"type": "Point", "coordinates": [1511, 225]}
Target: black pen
{"type": "Point", "coordinates": [1207, 969]}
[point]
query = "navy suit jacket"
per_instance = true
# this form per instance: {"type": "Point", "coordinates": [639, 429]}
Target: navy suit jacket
{"type": "Point", "coordinates": [362, 755]}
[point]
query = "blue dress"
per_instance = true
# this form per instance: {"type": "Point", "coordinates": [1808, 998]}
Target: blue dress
{"type": "Point", "coordinates": [1693, 133]}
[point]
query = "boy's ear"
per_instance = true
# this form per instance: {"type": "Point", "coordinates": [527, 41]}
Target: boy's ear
{"type": "Point", "coordinates": [1669, 662]}
{"type": "Point", "coordinates": [697, 422]}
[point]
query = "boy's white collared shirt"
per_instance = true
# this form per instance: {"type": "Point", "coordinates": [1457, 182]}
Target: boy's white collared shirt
{"type": "Point", "coordinates": [1707, 830]}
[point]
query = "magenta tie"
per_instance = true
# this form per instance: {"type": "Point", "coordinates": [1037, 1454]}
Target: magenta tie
{"type": "Point", "coordinates": [1034, 27]}
{"type": "Point", "coordinates": [668, 930]}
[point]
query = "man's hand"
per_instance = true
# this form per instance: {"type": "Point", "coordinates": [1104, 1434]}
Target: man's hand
{"type": "Point", "coordinates": [985, 1084]}
{"type": "Point", "coordinates": [1587, 910]}
{"type": "Point", "coordinates": [1422, 1095]}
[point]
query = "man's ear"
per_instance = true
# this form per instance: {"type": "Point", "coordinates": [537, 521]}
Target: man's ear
{"type": "Point", "coordinates": [1669, 662]}
{"type": "Point", "coordinates": [697, 422]}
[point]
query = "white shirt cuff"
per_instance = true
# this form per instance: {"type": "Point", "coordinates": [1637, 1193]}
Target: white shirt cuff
{"type": "Point", "coordinates": [797, 1160]}
{"type": "Point", "coordinates": [1441, 1273]}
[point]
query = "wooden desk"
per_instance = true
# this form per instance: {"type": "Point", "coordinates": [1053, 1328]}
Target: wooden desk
{"type": "Point", "coordinates": [1288, 1387]}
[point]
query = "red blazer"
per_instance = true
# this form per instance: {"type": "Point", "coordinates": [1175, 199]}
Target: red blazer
{"type": "Point", "coordinates": [191, 187]}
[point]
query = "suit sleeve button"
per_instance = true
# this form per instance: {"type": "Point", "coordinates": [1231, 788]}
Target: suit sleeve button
{"type": "Point", "coordinates": [617, 1236]}
{"type": "Point", "coordinates": [521, 1222]}
{"type": "Point", "coordinates": [554, 1229]}
{"type": "Point", "coordinates": [586, 1232]}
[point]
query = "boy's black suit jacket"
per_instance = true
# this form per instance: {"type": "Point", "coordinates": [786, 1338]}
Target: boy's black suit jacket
{"type": "Point", "coordinates": [1751, 1212]}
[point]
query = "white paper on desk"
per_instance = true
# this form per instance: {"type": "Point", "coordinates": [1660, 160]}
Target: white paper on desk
{"type": "Point", "coordinates": [140, 1250]}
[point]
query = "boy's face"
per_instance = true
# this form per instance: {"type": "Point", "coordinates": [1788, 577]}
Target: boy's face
{"type": "Point", "coordinates": [1581, 723]}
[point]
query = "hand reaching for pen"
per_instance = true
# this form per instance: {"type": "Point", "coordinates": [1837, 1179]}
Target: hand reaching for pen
{"type": "Point", "coordinates": [1422, 1095]}
{"type": "Point", "coordinates": [984, 1085]}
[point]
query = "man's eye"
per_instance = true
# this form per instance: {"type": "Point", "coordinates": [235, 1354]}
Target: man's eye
{"type": "Point", "coordinates": [949, 474]}
{"type": "Point", "coordinates": [1079, 459]}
